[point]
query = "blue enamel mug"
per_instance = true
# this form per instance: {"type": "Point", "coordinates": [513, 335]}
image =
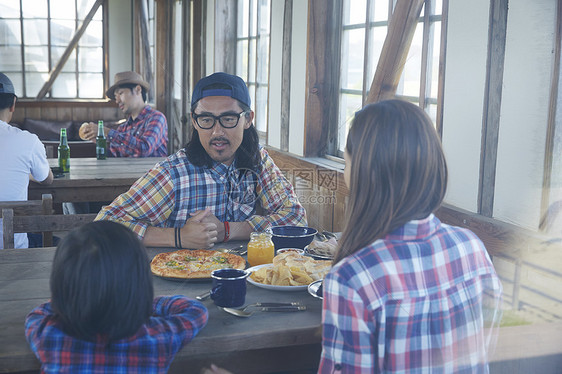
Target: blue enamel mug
{"type": "Point", "coordinates": [229, 287]}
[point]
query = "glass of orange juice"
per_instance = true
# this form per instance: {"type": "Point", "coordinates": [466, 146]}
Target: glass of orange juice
{"type": "Point", "coordinates": [260, 249]}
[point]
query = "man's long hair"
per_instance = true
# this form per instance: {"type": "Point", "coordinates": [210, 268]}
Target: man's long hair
{"type": "Point", "coordinates": [247, 155]}
{"type": "Point", "coordinates": [398, 172]}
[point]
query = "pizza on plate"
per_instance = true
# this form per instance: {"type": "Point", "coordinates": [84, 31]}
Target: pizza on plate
{"type": "Point", "coordinates": [193, 264]}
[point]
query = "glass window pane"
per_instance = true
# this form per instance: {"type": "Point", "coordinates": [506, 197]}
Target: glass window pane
{"type": "Point", "coordinates": [353, 49]}
{"type": "Point", "coordinates": [93, 36]}
{"type": "Point", "coordinates": [354, 12]}
{"type": "Point", "coordinates": [62, 32]}
{"type": "Point", "coordinates": [84, 7]}
{"type": "Point", "coordinates": [10, 8]}
{"type": "Point", "coordinates": [90, 85]}
{"type": "Point", "coordinates": [34, 8]}
{"type": "Point", "coordinates": [17, 81]}
{"type": "Point", "coordinates": [70, 64]}
{"type": "Point", "coordinates": [261, 108]}
{"type": "Point", "coordinates": [254, 18]}
{"type": "Point", "coordinates": [35, 31]}
{"type": "Point", "coordinates": [10, 58]}
{"type": "Point", "coordinates": [411, 76]}
{"type": "Point", "coordinates": [36, 58]}
{"type": "Point", "coordinates": [263, 18]}
{"type": "Point", "coordinates": [243, 21]}
{"type": "Point", "coordinates": [432, 112]}
{"type": "Point", "coordinates": [380, 10]}
{"type": "Point", "coordinates": [263, 59]}
{"type": "Point", "coordinates": [63, 9]}
{"type": "Point", "coordinates": [252, 61]}
{"type": "Point", "coordinates": [34, 82]}
{"type": "Point", "coordinates": [434, 60]}
{"type": "Point", "coordinates": [90, 60]}
{"type": "Point", "coordinates": [242, 59]}
{"type": "Point", "coordinates": [378, 35]}
{"type": "Point", "coordinates": [349, 105]}
{"type": "Point", "coordinates": [64, 86]}
{"type": "Point", "coordinates": [10, 32]}
{"type": "Point", "coordinates": [438, 7]}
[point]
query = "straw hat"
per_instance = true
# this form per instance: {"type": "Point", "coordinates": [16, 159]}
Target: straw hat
{"type": "Point", "coordinates": [126, 77]}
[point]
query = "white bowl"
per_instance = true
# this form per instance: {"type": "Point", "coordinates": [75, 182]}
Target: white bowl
{"type": "Point", "coordinates": [284, 250]}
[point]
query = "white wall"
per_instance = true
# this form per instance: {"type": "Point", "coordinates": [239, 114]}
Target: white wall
{"type": "Point", "coordinates": [465, 77]}
{"type": "Point", "coordinates": [120, 37]}
{"type": "Point", "coordinates": [210, 39]}
{"type": "Point", "coordinates": [275, 73]}
{"type": "Point", "coordinates": [298, 77]}
{"type": "Point", "coordinates": [524, 112]}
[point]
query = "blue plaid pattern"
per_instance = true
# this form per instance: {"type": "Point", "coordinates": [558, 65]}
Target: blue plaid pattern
{"type": "Point", "coordinates": [424, 299]}
{"type": "Point", "coordinates": [176, 320]}
{"type": "Point", "coordinates": [174, 188]}
{"type": "Point", "coordinates": [144, 136]}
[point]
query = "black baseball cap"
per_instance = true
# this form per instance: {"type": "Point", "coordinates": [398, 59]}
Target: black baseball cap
{"type": "Point", "coordinates": [237, 88]}
{"type": "Point", "coordinates": [6, 85]}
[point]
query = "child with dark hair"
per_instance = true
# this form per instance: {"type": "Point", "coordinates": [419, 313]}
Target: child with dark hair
{"type": "Point", "coordinates": [102, 315]}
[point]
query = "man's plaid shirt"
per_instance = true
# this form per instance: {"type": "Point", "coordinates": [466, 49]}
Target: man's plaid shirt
{"type": "Point", "coordinates": [167, 194]}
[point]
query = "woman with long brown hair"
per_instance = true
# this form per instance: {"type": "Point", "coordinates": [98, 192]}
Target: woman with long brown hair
{"type": "Point", "coordinates": [407, 293]}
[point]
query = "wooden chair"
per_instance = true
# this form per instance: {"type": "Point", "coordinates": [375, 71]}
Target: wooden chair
{"type": "Point", "coordinates": [40, 223]}
{"type": "Point", "coordinates": [31, 207]}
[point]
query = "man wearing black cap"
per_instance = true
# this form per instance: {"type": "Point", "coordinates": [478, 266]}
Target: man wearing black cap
{"type": "Point", "coordinates": [208, 191]}
{"type": "Point", "coordinates": [22, 157]}
{"type": "Point", "coordinates": [145, 133]}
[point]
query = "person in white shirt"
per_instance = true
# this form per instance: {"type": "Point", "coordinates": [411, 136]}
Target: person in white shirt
{"type": "Point", "coordinates": [22, 157]}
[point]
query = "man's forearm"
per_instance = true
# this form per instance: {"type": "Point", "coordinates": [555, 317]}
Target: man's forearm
{"type": "Point", "coordinates": [159, 237]}
{"type": "Point", "coordinates": [240, 230]}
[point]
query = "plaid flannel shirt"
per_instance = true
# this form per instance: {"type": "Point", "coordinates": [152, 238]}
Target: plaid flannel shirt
{"type": "Point", "coordinates": [174, 188]}
{"type": "Point", "coordinates": [144, 136]}
{"type": "Point", "coordinates": [424, 299]}
{"type": "Point", "coordinates": [176, 320]}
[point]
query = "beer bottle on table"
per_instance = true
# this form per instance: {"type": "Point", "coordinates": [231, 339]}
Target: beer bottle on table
{"type": "Point", "coordinates": [64, 152]}
{"type": "Point", "coordinates": [101, 143]}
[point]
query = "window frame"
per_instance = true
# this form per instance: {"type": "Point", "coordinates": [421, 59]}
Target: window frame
{"type": "Point", "coordinates": [52, 66]}
{"type": "Point", "coordinates": [252, 37]}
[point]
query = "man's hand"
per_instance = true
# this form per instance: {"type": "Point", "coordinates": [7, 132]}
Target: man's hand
{"type": "Point", "coordinates": [200, 231]}
{"type": "Point", "coordinates": [89, 131]}
{"type": "Point", "coordinates": [210, 218]}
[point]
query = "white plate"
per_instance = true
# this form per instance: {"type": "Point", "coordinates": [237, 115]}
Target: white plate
{"type": "Point", "coordinates": [313, 288]}
{"type": "Point", "coordinates": [270, 286]}
{"type": "Point", "coordinates": [316, 256]}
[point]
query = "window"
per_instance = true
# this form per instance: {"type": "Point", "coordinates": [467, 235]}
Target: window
{"type": "Point", "coordinates": [364, 29]}
{"type": "Point", "coordinates": [33, 37]}
{"type": "Point", "coordinates": [252, 54]}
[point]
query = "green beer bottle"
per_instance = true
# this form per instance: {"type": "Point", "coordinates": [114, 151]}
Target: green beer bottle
{"type": "Point", "coordinates": [64, 152]}
{"type": "Point", "coordinates": [101, 143]}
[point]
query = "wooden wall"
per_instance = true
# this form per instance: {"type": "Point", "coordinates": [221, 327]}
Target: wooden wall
{"type": "Point", "coordinates": [67, 110]}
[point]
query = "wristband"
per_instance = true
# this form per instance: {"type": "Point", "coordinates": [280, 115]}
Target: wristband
{"type": "Point", "coordinates": [226, 232]}
{"type": "Point", "coordinates": [177, 237]}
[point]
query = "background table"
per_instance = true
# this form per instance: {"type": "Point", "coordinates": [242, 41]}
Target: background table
{"type": "Point", "coordinates": [94, 180]}
{"type": "Point", "coordinates": [265, 342]}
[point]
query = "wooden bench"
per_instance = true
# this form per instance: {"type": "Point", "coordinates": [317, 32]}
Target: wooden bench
{"type": "Point", "coordinates": [40, 223]}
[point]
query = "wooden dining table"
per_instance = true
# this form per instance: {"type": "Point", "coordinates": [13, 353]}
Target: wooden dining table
{"type": "Point", "coordinates": [266, 342]}
{"type": "Point", "coordinates": [90, 179]}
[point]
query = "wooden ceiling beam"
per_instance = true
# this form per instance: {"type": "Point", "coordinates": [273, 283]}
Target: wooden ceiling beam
{"type": "Point", "coordinates": [395, 49]}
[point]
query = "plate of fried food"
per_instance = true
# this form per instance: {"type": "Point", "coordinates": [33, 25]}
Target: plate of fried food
{"type": "Point", "coordinates": [290, 271]}
{"type": "Point", "coordinates": [322, 250]}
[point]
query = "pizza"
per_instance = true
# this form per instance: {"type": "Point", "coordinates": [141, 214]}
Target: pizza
{"type": "Point", "coordinates": [193, 264]}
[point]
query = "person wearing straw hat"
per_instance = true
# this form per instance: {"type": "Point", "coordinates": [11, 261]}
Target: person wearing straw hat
{"type": "Point", "coordinates": [145, 133]}
{"type": "Point", "coordinates": [22, 157]}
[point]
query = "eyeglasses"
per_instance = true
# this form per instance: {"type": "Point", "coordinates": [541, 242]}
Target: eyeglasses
{"type": "Point", "coordinates": [227, 120]}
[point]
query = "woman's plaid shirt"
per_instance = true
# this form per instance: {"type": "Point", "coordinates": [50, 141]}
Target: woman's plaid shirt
{"type": "Point", "coordinates": [424, 299]}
